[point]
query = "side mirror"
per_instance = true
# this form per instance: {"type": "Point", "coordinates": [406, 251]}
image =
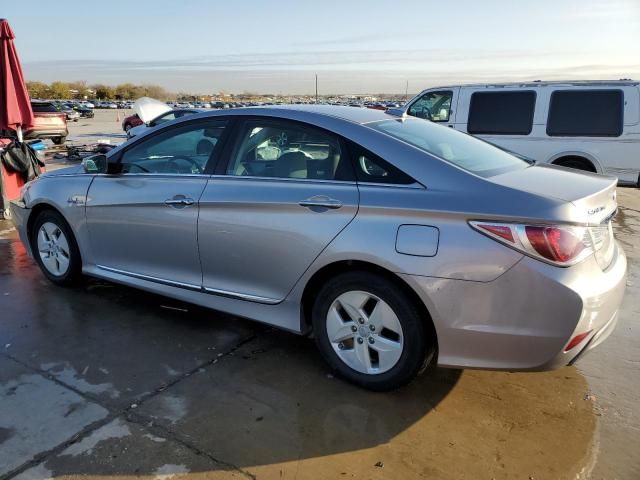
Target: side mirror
{"type": "Point", "coordinates": [95, 164]}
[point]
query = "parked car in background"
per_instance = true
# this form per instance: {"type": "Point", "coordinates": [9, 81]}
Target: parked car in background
{"type": "Point", "coordinates": [83, 110]}
{"type": "Point", "coordinates": [131, 121]}
{"type": "Point", "coordinates": [49, 123]}
{"type": "Point", "coordinates": [398, 243]}
{"type": "Point", "coordinates": [69, 111]}
{"type": "Point", "coordinates": [160, 119]}
{"type": "Point", "coordinates": [587, 125]}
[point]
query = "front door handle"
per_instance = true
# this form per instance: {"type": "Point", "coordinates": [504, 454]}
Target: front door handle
{"type": "Point", "coordinates": [179, 201]}
{"type": "Point", "coordinates": [321, 201]}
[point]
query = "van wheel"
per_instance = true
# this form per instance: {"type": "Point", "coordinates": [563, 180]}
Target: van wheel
{"type": "Point", "coordinates": [370, 332]}
{"type": "Point", "coordinates": [577, 163]}
{"type": "Point", "coordinates": [59, 140]}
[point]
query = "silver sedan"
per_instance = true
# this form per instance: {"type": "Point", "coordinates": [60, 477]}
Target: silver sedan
{"type": "Point", "coordinates": [396, 242]}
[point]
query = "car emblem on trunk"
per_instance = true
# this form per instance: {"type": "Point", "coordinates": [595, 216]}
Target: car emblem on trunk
{"type": "Point", "coordinates": [593, 211]}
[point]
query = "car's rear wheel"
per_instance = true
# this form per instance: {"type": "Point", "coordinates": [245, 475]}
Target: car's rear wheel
{"type": "Point", "coordinates": [55, 249]}
{"type": "Point", "coordinates": [370, 331]}
{"type": "Point", "coordinates": [59, 140]}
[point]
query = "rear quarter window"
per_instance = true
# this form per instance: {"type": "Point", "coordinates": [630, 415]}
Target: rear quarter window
{"type": "Point", "coordinates": [586, 113]}
{"type": "Point", "coordinates": [501, 113]}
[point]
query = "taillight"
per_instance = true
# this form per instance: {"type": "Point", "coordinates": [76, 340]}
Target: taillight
{"type": "Point", "coordinates": [554, 243]}
{"type": "Point", "coordinates": [561, 245]}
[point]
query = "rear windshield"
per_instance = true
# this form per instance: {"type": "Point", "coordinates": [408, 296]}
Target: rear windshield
{"type": "Point", "coordinates": [455, 147]}
{"type": "Point", "coordinates": [43, 107]}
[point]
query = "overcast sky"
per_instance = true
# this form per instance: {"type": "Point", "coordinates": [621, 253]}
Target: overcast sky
{"type": "Point", "coordinates": [355, 46]}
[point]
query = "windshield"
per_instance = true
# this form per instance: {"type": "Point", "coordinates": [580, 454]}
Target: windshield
{"type": "Point", "coordinates": [455, 147]}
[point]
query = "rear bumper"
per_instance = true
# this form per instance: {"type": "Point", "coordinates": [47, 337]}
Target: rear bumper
{"type": "Point", "coordinates": [525, 318]}
{"type": "Point", "coordinates": [48, 133]}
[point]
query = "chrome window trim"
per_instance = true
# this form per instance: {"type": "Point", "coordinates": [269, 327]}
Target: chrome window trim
{"type": "Point", "coordinates": [286, 179]}
{"type": "Point", "coordinates": [151, 174]}
{"type": "Point", "coordinates": [412, 186]}
{"type": "Point", "coordinates": [190, 286]}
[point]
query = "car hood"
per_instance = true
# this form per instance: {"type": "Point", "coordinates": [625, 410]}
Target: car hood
{"type": "Point", "coordinates": [594, 195]}
{"type": "Point", "coordinates": [65, 171]}
{"type": "Point", "coordinates": [150, 108]}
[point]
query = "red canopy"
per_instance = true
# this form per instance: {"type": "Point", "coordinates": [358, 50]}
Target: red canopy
{"type": "Point", "coordinates": [15, 105]}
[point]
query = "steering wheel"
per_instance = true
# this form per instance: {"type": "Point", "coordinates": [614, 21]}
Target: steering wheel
{"type": "Point", "coordinates": [195, 166]}
{"type": "Point", "coordinates": [426, 113]}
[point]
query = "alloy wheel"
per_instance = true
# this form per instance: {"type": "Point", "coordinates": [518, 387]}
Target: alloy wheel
{"type": "Point", "coordinates": [365, 332]}
{"type": "Point", "coordinates": [53, 248]}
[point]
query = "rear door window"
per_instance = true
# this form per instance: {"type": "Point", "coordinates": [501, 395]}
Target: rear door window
{"type": "Point", "coordinates": [502, 113]}
{"type": "Point", "coordinates": [281, 149]}
{"type": "Point", "coordinates": [586, 113]}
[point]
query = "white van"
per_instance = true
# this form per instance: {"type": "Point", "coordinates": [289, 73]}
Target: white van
{"type": "Point", "coordinates": [592, 125]}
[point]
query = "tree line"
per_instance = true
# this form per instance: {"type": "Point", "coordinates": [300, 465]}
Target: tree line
{"type": "Point", "coordinates": [81, 90]}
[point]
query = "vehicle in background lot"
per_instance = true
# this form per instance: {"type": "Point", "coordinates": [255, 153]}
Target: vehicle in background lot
{"type": "Point", "coordinates": [397, 242]}
{"type": "Point", "coordinates": [589, 125]}
{"type": "Point", "coordinates": [68, 110]}
{"type": "Point", "coordinates": [131, 121]}
{"type": "Point", "coordinates": [165, 117]}
{"type": "Point", "coordinates": [84, 111]}
{"type": "Point", "coordinates": [49, 123]}
{"type": "Point", "coordinates": [87, 104]}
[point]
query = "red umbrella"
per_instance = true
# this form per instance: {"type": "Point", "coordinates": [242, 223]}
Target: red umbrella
{"type": "Point", "coordinates": [15, 105]}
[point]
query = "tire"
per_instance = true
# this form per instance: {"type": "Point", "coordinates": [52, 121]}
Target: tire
{"type": "Point", "coordinates": [128, 127]}
{"type": "Point", "coordinates": [59, 140]}
{"type": "Point", "coordinates": [331, 318]}
{"type": "Point", "coordinates": [48, 230]}
{"type": "Point", "coordinates": [577, 163]}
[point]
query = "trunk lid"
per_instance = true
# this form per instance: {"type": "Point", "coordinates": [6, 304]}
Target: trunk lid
{"type": "Point", "coordinates": [593, 195]}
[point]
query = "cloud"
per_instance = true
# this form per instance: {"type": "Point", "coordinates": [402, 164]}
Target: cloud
{"type": "Point", "coordinates": [352, 71]}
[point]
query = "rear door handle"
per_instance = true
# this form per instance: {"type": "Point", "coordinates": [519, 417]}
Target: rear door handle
{"type": "Point", "coordinates": [321, 201]}
{"type": "Point", "coordinates": [179, 201]}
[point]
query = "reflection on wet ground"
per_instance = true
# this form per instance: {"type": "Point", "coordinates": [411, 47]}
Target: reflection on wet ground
{"type": "Point", "coordinates": [103, 380]}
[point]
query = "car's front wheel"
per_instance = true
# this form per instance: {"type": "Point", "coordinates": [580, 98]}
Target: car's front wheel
{"type": "Point", "coordinates": [54, 248]}
{"type": "Point", "coordinates": [370, 331]}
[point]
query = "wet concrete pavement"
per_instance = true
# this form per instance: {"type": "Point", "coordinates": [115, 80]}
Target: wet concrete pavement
{"type": "Point", "coordinates": [110, 382]}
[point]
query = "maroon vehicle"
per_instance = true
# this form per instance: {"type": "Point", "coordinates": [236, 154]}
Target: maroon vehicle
{"type": "Point", "coordinates": [131, 121]}
{"type": "Point", "coordinates": [49, 122]}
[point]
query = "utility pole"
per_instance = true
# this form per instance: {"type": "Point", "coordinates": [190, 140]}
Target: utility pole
{"type": "Point", "coordinates": [316, 88]}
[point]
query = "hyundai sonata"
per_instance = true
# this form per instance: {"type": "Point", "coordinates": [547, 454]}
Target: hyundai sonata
{"type": "Point", "coordinates": [396, 242]}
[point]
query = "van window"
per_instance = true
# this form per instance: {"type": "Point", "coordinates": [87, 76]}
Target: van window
{"type": "Point", "coordinates": [455, 147]}
{"type": "Point", "coordinates": [501, 113]}
{"type": "Point", "coordinates": [434, 106]}
{"type": "Point", "coordinates": [586, 113]}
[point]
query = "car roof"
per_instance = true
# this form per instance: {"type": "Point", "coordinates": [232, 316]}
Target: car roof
{"type": "Point", "coordinates": [351, 114]}
{"type": "Point", "coordinates": [540, 83]}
